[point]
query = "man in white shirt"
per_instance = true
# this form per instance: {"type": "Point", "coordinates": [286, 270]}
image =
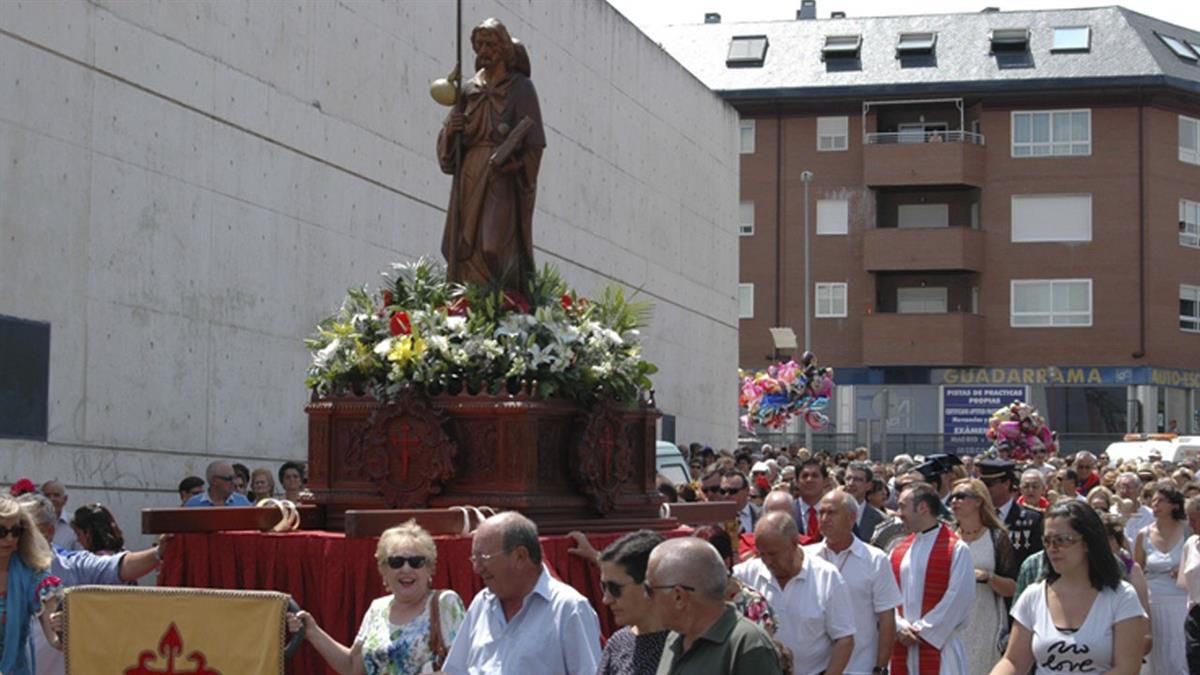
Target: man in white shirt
{"type": "Point", "coordinates": [1129, 486]}
{"type": "Point", "coordinates": [807, 594]}
{"type": "Point", "coordinates": [931, 555]}
{"type": "Point", "coordinates": [524, 621]}
{"type": "Point", "coordinates": [64, 534]}
{"type": "Point", "coordinates": [867, 572]}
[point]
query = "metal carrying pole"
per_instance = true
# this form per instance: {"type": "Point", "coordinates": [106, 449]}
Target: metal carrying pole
{"type": "Point", "coordinates": [806, 178]}
{"type": "Point", "coordinates": [458, 142]}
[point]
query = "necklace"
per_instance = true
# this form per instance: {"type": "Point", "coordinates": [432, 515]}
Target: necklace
{"type": "Point", "coordinates": [970, 533]}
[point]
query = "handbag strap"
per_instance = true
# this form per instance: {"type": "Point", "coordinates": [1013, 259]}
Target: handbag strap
{"type": "Point", "coordinates": [437, 644]}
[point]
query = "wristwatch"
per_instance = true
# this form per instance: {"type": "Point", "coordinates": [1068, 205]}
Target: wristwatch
{"type": "Point", "coordinates": [879, 671]}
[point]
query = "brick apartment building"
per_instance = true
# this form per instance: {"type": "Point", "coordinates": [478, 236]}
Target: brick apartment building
{"type": "Point", "coordinates": [1002, 204]}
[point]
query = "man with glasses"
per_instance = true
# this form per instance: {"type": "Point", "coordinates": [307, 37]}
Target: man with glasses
{"type": "Point", "coordinates": [524, 621]}
{"type": "Point", "coordinates": [221, 490]}
{"type": "Point", "coordinates": [686, 579]}
{"type": "Point", "coordinates": [735, 487]}
{"type": "Point", "coordinates": [710, 485]}
{"type": "Point", "coordinates": [1024, 524]}
{"type": "Point", "coordinates": [858, 481]}
{"type": "Point", "coordinates": [1085, 468]}
{"type": "Point", "coordinates": [809, 598]}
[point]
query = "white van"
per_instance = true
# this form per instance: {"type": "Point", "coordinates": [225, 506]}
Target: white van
{"type": "Point", "coordinates": [670, 463]}
{"type": "Point", "coordinates": [1139, 448]}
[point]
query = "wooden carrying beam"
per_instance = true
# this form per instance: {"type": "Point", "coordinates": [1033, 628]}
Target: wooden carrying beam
{"type": "Point", "coordinates": [700, 513]}
{"type": "Point", "coordinates": [218, 518]}
{"type": "Point", "coordinates": [372, 522]}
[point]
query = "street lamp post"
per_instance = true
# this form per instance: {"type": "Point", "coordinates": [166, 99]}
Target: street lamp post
{"type": "Point", "coordinates": [806, 178]}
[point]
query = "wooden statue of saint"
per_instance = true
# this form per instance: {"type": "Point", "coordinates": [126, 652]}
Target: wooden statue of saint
{"type": "Point", "coordinates": [489, 222]}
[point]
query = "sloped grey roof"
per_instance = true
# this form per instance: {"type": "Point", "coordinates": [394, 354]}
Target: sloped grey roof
{"type": "Point", "coordinates": [1124, 49]}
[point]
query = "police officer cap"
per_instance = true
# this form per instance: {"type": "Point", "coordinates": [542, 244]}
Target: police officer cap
{"type": "Point", "coordinates": [996, 468]}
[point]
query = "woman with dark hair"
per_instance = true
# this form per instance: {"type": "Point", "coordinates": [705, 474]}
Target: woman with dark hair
{"type": "Point", "coordinates": [1159, 550]}
{"type": "Point", "coordinates": [97, 530]}
{"type": "Point", "coordinates": [1082, 617]}
{"type": "Point", "coordinates": [291, 478]}
{"type": "Point", "coordinates": [638, 646]}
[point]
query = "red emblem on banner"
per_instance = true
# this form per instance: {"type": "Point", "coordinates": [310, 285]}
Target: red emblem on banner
{"type": "Point", "coordinates": [170, 647]}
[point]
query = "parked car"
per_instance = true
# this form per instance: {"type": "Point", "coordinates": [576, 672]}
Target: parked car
{"type": "Point", "coordinates": [1140, 447]}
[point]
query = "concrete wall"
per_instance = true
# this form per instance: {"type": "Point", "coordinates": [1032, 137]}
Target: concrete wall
{"type": "Point", "coordinates": [186, 188]}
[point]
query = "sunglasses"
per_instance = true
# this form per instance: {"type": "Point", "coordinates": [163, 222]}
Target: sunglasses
{"type": "Point", "coordinates": [227, 479]}
{"type": "Point", "coordinates": [612, 588]}
{"type": "Point", "coordinates": [414, 561]}
{"type": "Point", "coordinates": [712, 490]}
{"type": "Point", "coordinates": [730, 491]}
{"type": "Point", "coordinates": [649, 589]}
{"type": "Point", "coordinates": [16, 531]}
{"type": "Point", "coordinates": [963, 495]}
{"type": "Point", "coordinates": [1059, 541]}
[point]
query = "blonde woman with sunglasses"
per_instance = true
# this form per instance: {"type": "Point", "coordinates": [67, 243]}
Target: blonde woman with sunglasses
{"type": "Point", "coordinates": [408, 631]}
{"type": "Point", "coordinates": [25, 560]}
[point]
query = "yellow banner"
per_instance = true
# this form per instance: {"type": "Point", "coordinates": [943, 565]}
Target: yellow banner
{"type": "Point", "coordinates": [123, 630]}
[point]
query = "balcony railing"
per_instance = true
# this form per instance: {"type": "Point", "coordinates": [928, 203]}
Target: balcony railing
{"type": "Point", "coordinates": [899, 137]}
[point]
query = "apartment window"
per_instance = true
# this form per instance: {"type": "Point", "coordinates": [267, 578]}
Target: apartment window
{"type": "Point", "coordinates": [833, 216]}
{"type": "Point", "coordinates": [1189, 223]}
{"type": "Point", "coordinates": [927, 300]}
{"type": "Point", "coordinates": [747, 136]}
{"type": "Point", "coordinates": [1189, 308]}
{"type": "Point", "coordinates": [746, 51]}
{"type": "Point", "coordinates": [831, 300]}
{"type": "Point", "coordinates": [1047, 133]}
{"type": "Point", "coordinates": [1189, 140]}
{"type": "Point", "coordinates": [923, 215]}
{"type": "Point", "coordinates": [746, 219]}
{"type": "Point", "coordinates": [1038, 218]}
{"type": "Point", "coordinates": [833, 134]}
{"type": "Point", "coordinates": [745, 301]}
{"type": "Point", "coordinates": [1051, 303]}
{"type": "Point", "coordinates": [1071, 39]}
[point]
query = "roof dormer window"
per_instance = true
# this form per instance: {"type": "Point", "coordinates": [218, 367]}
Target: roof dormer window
{"type": "Point", "coordinates": [747, 51]}
{"type": "Point", "coordinates": [841, 46]}
{"type": "Point", "coordinates": [916, 44]}
{"type": "Point", "coordinates": [1181, 49]}
{"type": "Point", "coordinates": [1010, 40]}
{"type": "Point", "coordinates": [1072, 39]}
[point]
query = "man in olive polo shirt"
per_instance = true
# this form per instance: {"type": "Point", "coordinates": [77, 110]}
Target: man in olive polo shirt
{"type": "Point", "coordinates": [686, 580]}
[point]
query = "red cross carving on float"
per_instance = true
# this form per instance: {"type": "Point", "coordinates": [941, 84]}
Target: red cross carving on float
{"type": "Point", "coordinates": [169, 647]}
{"type": "Point", "coordinates": [402, 437]}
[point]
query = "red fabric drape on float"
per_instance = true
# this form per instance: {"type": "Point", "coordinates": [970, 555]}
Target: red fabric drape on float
{"type": "Point", "coordinates": [336, 578]}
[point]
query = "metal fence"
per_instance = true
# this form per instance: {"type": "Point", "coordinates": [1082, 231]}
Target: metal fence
{"type": "Point", "coordinates": [920, 444]}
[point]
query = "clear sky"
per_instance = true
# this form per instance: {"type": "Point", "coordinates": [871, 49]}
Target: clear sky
{"type": "Point", "coordinates": [650, 14]}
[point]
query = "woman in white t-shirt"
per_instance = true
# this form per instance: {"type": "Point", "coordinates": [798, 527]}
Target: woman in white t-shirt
{"type": "Point", "coordinates": [1081, 618]}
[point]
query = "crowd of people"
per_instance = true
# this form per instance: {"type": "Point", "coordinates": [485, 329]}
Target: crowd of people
{"type": "Point", "coordinates": [831, 563]}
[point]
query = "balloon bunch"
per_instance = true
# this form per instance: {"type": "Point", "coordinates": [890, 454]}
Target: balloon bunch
{"type": "Point", "coordinates": [773, 396]}
{"type": "Point", "coordinates": [1019, 429]}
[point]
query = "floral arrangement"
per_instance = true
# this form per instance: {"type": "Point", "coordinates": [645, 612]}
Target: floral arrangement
{"type": "Point", "coordinates": [421, 330]}
{"type": "Point", "coordinates": [773, 396]}
{"type": "Point", "coordinates": [1018, 428]}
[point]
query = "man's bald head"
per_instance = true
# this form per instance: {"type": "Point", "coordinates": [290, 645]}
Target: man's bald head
{"type": "Point", "coordinates": [776, 524]}
{"type": "Point", "coordinates": [689, 561]}
{"type": "Point", "coordinates": [778, 501]}
{"type": "Point", "coordinates": [843, 500]}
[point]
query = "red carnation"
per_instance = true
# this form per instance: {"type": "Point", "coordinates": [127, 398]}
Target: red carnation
{"type": "Point", "coordinates": [400, 325]}
{"type": "Point", "coordinates": [22, 487]}
{"type": "Point", "coordinates": [516, 302]}
{"type": "Point", "coordinates": [565, 301]}
{"type": "Point", "coordinates": [459, 307]}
